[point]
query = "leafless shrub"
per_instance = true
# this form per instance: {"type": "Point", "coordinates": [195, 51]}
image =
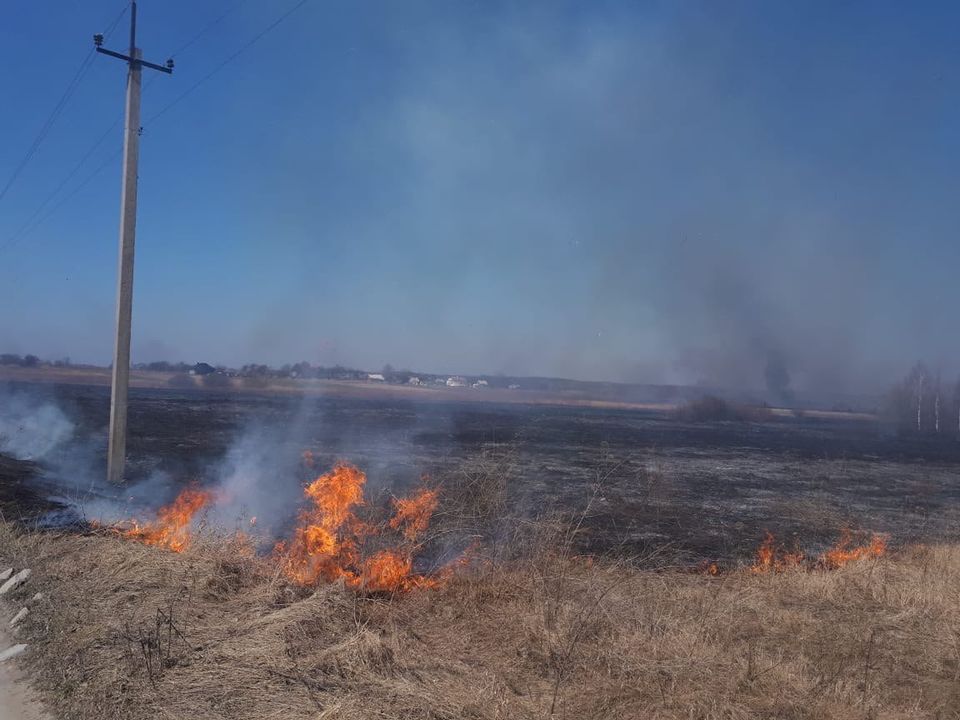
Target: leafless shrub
{"type": "Point", "coordinates": [474, 500]}
{"type": "Point", "coordinates": [155, 646]}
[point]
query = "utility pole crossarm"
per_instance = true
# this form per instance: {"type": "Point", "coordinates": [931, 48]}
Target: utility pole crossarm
{"type": "Point", "coordinates": [168, 68]}
{"type": "Point", "coordinates": [133, 59]}
{"type": "Point", "coordinates": [117, 450]}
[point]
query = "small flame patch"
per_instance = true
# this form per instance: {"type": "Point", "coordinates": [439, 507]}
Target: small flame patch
{"type": "Point", "coordinates": [171, 529]}
{"type": "Point", "coordinates": [772, 558]}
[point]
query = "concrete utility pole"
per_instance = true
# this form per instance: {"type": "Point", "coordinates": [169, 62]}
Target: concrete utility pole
{"type": "Point", "coordinates": [128, 224]}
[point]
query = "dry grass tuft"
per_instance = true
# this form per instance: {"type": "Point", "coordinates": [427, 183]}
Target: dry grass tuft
{"type": "Point", "coordinates": [129, 631]}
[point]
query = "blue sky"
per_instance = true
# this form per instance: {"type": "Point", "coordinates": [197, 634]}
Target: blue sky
{"type": "Point", "coordinates": [642, 191]}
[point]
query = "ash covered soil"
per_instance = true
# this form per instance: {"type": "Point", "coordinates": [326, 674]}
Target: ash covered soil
{"type": "Point", "coordinates": [643, 482]}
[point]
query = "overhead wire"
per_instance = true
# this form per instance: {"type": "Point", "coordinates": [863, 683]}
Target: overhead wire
{"type": "Point", "coordinates": [100, 168]}
{"type": "Point", "coordinates": [57, 111]}
{"type": "Point", "coordinates": [36, 219]}
{"type": "Point", "coordinates": [208, 27]}
{"type": "Point", "coordinates": [65, 199]}
{"type": "Point", "coordinates": [48, 124]}
{"type": "Point", "coordinates": [243, 48]}
{"type": "Point", "coordinates": [28, 225]}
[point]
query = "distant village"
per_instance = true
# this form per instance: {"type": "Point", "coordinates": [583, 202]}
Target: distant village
{"type": "Point", "coordinates": [259, 376]}
{"type": "Point", "coordinates": [254, 375]}
{"type": "Point", "coordinates": [251, 374]}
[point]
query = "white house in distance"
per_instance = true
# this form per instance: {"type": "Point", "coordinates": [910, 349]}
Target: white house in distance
{"type": "Point", "coordinates": [414, 381]}
{"type": "Point", "coordinates": [376, 377]}
{"type": "Point", "coordinates": [456, 381]}
{"type": "Point", "coordinates": [481, 384]}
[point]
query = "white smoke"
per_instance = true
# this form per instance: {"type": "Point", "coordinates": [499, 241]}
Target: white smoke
{"type": "Point", "coordinates": [30, 429]}
{"type": "Point", "coordinates": [258, 478]}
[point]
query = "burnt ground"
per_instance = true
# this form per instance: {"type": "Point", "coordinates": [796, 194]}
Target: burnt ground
{"type": "Point", "coordinates": [643, 480]}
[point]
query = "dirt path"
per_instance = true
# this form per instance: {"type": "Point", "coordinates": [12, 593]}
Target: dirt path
{"type": "Point", "coordinates": [17, 701]}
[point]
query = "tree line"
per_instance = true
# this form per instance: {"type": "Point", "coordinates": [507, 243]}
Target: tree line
{"type": "Point", "coordinates": [19, 360]}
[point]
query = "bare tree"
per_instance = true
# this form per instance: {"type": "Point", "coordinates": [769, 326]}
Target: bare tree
{"type": "Point", "coordinates": [921, 374]}
{"type": "Point", "coordinates": [906, 404]}
{"type": "Point", "coordinates": [956, 404]}
{"type": "Point", "coordinates": [936, 406]}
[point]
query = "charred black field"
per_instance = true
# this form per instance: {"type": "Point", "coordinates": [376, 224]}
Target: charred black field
{"type": "Point", "coordinates": [639, 482]}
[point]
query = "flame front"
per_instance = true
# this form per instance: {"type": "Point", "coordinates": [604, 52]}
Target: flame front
{"type": "Point", "coordinates": [770, 558]}
{"type": "Point", "coordinates": [412, 515]}
{"type": "Point", "coordinates": [842, 553]}
{"type": "Point", "coordinates": [171, 529]}
{"type": "Point", "coordinates": [330, 541]}
{"type": "Point", "coordinates": [327, 543]}
{"type": "Point", "coordinates": [324, 544]}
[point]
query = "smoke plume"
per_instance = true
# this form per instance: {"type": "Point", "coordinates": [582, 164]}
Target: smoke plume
{"type": "Point", "coordinates": [31, 429]}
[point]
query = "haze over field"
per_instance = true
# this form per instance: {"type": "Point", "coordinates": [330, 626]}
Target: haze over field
{"type": "Point", "coordinates": [735, 194]}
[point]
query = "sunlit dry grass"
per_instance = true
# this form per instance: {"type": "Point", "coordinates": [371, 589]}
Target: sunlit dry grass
{"type": "Point", "coordinates": [130, 631]}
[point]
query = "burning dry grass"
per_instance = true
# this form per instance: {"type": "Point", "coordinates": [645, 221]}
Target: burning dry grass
{"type": "Point", "coordinates": [171, 529]}
{"type": "Point", "coordinates": [331, 541]}
{"type": "Point", "coordinates": [134, 631]}
{"type": "Point", "coordinates": [772, 557]}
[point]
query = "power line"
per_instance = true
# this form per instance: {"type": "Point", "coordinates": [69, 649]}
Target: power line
{"type": "Point", "coordinates": [12, 241]}
{"type": "Point", "coordinates": [225, 62]}
{"type": "Point", "coordinates": [57, 111]}
{"type": "Point", "coordinates": [115, 23]}
{"type": "Point", "coordinates": [229, 11]}
{"type": "Point", "coordinates": [27, 228]}
{"type": "Point", "coordinates": [100, 168]}
{"type": "Point", "coordinates": [51, 119]}
{"type": "Point", "coordinates": [22, 230]}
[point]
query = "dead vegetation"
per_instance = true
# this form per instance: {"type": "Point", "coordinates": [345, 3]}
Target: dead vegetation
{"type": "Point", "coordinates": [714, 409]}
{"type": "Point", "coordinates": [131, 631]}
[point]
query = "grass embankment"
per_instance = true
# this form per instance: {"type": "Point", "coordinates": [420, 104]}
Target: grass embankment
{"type": "Point", "coordinates": [129, 631]}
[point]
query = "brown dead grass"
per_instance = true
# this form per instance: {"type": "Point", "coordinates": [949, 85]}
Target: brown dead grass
{"type": "Point", "coordinates": [128, 631]}
{"type": "Point", "coordinates": [711, 408]}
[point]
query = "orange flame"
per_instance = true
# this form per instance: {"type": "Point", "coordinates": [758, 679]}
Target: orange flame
{"type": "Point", "coordinates": [770, 558]}
{"type": "Point", "coordinates": [327, 543]}
{"type": "Point", "coordinates": [707, 567]}
{"type": "Point", "coordinates": [413, 514]}
{"type": "Point", "coordinates": [386, 570]}
{"type": "Point", "coordinates": [324, 545]}
{"type": "Point", "coordinates": [171, 529]}
{"type": "Point", "coordinates": [842, 553]}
